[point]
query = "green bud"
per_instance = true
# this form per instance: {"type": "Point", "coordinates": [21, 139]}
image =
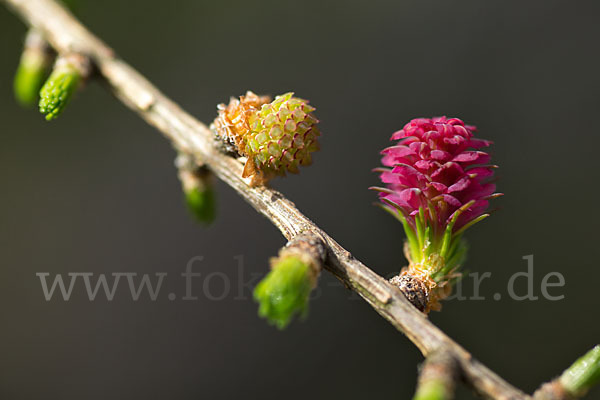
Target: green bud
{"type": "Point", "coordinates": [59, 88]}
{"type": "Point", "coordinates": [201, 203]}
{"type": "Point", "coordinates": [284, 291]}
{"type": "Point", "coordinates": [433, 390]}
{"type": "Point", "coordinates": [28, 79]}
{"type": "Point", "coordinates": [198, 188]}
{"type": "Point", "coordinates": [32, 69]}
{"type": "Point", "coordinates": [437, 377]}
{"type": "Point", "coordinates": [583, 374]}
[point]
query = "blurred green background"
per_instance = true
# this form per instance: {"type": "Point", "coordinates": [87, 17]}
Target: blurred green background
{"type": "Point", "coordinates": [96, 191]}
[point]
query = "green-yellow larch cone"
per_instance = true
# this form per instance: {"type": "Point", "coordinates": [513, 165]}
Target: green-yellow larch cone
{"type": "Point", "coordinates": [276, 137]}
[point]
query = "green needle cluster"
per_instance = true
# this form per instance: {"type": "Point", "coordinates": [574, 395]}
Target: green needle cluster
{"type": "Point", "coordinates": [32, 69]}
{"type": "Point", "coordinates": [583, 374]}
{"type": "Point", "coordinates": [437, 377]}
{"type": "Point", "coordinates": [434, 390]}
{"type": "Point", "coordinates": [30, 77]}
{"type": "Point", "coordinates": [284, 291]}
{"type": "Point", "coordinates": [201, 203]}
{"type": "Point", "coordinates": [58, 90]}
{"type": "Point", "coordinates": [198, 188]}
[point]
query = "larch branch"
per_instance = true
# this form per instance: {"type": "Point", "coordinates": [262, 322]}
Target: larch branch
{"type": "Point", "coordinates": [67, 35]}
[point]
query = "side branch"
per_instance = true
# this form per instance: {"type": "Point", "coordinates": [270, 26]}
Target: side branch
{"type": "Point", "coordinates": [67, 35]}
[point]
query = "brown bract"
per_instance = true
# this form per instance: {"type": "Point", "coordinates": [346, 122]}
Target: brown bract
{"type": "Point", "coordinates": [231, 125]}
{"type": "Point", "coordinates": [420, 289]}
{"type": "Point", "coordinates": [415, 281]}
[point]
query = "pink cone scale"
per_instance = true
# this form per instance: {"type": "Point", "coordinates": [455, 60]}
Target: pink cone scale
{"type": "Point", "coordinates": [437, 183]}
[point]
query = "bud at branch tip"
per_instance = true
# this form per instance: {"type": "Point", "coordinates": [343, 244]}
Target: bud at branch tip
{"type": "Point", "coordinates": [198, 187]}
{"type": "Point", "coordinates": [66, 77]}
{"type": "Point", "coordinates": [285, 290]}
{"type": "Point", "coordinates": [32, 69]}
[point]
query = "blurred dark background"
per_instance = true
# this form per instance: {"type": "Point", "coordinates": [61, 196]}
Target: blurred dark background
{"type": "Point", "coordinates": [96, 191]}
